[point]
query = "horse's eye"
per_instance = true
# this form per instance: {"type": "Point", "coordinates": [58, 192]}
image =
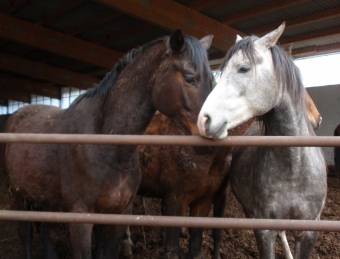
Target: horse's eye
{"type": "Point", "coordinates": [243, 69]}
{"type": "Point", "coordinates": [190, 80]}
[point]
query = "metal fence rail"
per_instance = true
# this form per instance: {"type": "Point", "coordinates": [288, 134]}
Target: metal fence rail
{"type": "Point", "coordinates": [264, 141]}
{"type": "Point", "coordinates": [170, 221]}
{"type": "Point", "coordinates": [167, 221]}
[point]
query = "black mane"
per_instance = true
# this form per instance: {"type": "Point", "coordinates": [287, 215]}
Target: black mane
{"type": "Point", "coordinates": [196, 51]}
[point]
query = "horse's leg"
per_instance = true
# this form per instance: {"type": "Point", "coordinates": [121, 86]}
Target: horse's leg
{"type": "Point", "coordinates": [172, 206]}
{"type": "Point", "coordinates": [47, 243]}
{"type": "Point", "coordinates": [25, 228]}
{"type": "Point", "coordinates": [265, 240]}
{"type": "Point", "coordinates": [25, 232]}
{"type": "Point", "coordinates": [98, 234]}
{"type": "Point", "coordinates": [146, 209]}
{"type": "Point", "coordinates": [111, 239]}
{"type": "Point", "coordinates": [304, 244]}
{"type": "Point", "coordinates": [220, 204]}
{"type": "Point", "coordinates": [81, 240]}
{"type": "Point", "coordinates": [198, 209]}
{"type": "Point", "coordinates": [126, 244]}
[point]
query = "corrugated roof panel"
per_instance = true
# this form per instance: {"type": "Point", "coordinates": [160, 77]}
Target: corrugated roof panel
{"type": "Point", "coordinates": [183, 2]}
{"type": "Point", "coordinates": [36, 9]}
{"type": "Point", "coordinates": [79, 16]}
{"type": "Point", "coordinates": [317, 42]}
{"type": "Point", "coordinates": [313, 27]}
{"type": "Point", "coordinates": [112, 26]}
{"type": "Point", "coordinates": [223, 10]}
{"type": "Point", "coordinates": [137, 39]}
{"type": "Point", "coordinates": [286, 14]}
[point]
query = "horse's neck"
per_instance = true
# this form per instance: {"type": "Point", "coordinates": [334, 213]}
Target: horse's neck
{"type": "Point", "coordinates": [128, 108]}
{"type": "Point", "coordinates": [287, 120]}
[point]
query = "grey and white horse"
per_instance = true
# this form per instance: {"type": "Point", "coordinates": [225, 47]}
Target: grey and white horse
{"type": "Point", "coordinates": [260, 79]}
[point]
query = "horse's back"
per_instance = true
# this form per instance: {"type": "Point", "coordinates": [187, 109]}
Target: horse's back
{"type": "Point", "coordinates": [34, 118]}
{"type": "Point", "coordinates": [40, 159]}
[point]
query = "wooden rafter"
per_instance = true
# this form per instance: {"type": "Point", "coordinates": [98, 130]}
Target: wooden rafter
{"type": "Point", "coordinates": [201, 5]}
{"type": "Point", "coordinates": [311, 36]}
{"type": "Point", "coordinates": [84, 27]}
{"type": "Point", "coordinates": [53, 16]}
{"type": "Point", "coordinates": [315, 50]}
{"type": "Point", "coordinates": [171, 15]}
{"type": "Point", "coordinates": [29, 86]}
{"type": "Point", "coordinates": [262, 9]}
{"type": "Point", "coordinates": [42, 71]}
{"type": "Point", "coordinates": [298, 21]}
{"type": "Point", "coordinates": [15, 95]}
{"type": "Point", "coordinates": [12, 5]}
{"type": "Point", "coordinates": [56, 42]}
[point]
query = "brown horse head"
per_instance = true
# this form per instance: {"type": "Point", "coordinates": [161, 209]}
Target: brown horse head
{"type": "Point", "coordinates": [313, 114]}
{"type": "Point", "coordinates": [187, 69]}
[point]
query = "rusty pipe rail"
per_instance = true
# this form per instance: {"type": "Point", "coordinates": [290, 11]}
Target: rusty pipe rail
{"type": "Point", "coordinates": [283, 141]}
{"type": "Point", "coordinates": [170, 221]}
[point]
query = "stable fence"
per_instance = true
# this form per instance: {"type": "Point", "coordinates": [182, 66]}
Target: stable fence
{"type": "Point", "coordinates": [170, 221]}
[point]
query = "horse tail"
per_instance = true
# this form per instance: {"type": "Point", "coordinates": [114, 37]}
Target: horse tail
{"type": "Point", "coordinates": [337, 152]}
{"type": "Point", "coordinates": [285, 245]}
{"type": "Point", "coordinates": [337, 131]}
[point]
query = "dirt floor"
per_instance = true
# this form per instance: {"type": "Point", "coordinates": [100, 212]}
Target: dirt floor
{"type": "Point", "coordinates": [236, 243]}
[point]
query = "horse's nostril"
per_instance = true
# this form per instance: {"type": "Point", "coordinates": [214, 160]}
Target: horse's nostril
{"type": "Point", "coordinates": [207, 121]}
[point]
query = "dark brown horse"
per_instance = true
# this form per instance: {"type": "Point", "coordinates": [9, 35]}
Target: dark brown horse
{"type": "Point", "coordinates": [337, 152]}
{"type": "Point", "coordinates": [182, 179]}
{"type": "Point", "coordinates": [170, 74]}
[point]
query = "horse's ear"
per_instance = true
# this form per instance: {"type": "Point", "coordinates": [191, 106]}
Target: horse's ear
{"type": "Point", "coordinates": [289, 49]}
{"type": "Point", "coordinates": [238, 38]}
{"type": "Point", "coordinates": [206, 41]}
{"type": "Point", "coordinates": [269, 40]}
{"type": "Point", "coordinates": [177, 40]}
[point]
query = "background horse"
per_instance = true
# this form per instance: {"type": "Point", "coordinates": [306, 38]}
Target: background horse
{"type": "Point", "coordinates": [170, 74]}
{"type": "Point", "coordinates": [337, 152]}
{"type": "Point", "coordinates": [260, 79]}
{"type": "Point", "coordinates": [182, 179]}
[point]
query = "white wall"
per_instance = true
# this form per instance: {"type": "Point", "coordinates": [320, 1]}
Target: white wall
{"type": "Point", "coordinates": [327, 100]}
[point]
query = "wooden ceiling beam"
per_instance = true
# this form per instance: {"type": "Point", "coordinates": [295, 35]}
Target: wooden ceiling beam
{"type": "Point", "coordinates": [9, 94]}
{"type": "Point", "coordinates": [201, 5]}
{"type": "Point", "coordinates": [259, 10]}
{"type": "Point", "coordinates": [315, 50]}
{"type": "Point", "coordinates": [311, 36]}
{"type": "Point", "coordinates": [171, 15]}
{"type": "Point", "coordinates": [29, 86]}
{"type": "Point", "coordinates": [37, 36]}
{"type": "Point", "coordinates": [52, 16]}
{"type": "Point", "coordinates": [12, 5]}
{"type": "Point", "coordinates": [39, 70]}
{"type": "Point", "coordinates": [298, 21]}
{"type": "Point", "coordinates": [76, 30]}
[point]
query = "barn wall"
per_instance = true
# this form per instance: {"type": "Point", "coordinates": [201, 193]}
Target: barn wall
{"type": "Point", "coordinates": [327, 100]}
